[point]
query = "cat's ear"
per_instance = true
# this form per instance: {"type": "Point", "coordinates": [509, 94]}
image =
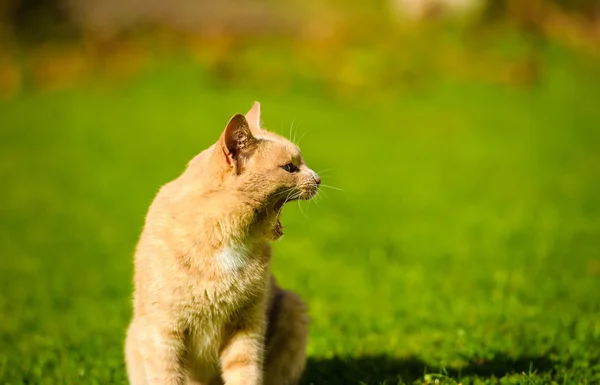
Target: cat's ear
{"type": "Point", "coordinates": [253, 116]}
{"type": "Point", "coordinates": [237, 137]}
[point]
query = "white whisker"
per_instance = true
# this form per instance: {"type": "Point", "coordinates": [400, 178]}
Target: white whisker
{"type": "Point", "coordinates": [299, 140]}
{"type": "Point", "coordinates": [323, 171]}
{"type": "Point", "coordinates": [291, 129]}
{"type": "Point", "coordinates": [301, 210]}
{"type": "Point", "coordinates": [322, 194]}
{"type": "Point", "coordinates": [331, 187]}
{"type": "Point", "coordinates": [284, 191]}
{"type": "Point", "coordinates": [315, 199]}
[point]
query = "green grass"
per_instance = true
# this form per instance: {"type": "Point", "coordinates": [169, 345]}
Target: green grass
{"type": "Point", "coordinates": [464, 247]}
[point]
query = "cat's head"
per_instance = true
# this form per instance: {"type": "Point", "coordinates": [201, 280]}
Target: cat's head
{"type": "Point", "coordinates": [264, 164]}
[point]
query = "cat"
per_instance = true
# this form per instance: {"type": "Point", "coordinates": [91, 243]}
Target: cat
{"type": "Point", "coordinates": [207, 309]}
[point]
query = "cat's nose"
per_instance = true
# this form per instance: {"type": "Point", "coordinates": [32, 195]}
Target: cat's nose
{"type": "Point", "coordinates": [317, 180]}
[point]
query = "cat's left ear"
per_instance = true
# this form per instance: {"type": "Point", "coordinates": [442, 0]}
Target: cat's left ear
{"type": "Point", "coordinates": [253, 116]}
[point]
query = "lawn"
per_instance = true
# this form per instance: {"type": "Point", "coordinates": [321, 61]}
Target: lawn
{"type": "Point", "coordinates": [463, 246]}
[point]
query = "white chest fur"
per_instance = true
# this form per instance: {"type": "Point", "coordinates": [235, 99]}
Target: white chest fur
{"type": "Point", "coordinates": [234, 257]}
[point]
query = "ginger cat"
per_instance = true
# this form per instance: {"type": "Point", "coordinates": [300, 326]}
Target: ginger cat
{"type": "Point", "coordinates": [207, 309]}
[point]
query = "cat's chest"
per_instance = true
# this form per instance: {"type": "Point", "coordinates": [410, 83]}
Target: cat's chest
{"type": "Point", "coordinates": [240, 279]}
{"type": "Point", "coordinates": [234, 259]}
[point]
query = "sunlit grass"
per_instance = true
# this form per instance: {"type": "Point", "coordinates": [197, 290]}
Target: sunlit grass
{"type": "Point", "coordinates": [463, 244]}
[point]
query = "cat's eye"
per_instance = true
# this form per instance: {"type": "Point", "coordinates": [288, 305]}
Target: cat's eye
{"type": "Point", "coordinates": [290, 168]}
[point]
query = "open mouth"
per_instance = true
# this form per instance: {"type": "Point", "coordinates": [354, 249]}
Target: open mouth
{"type": "Point", "coordinates": [303, 194]}
{"type": "Point", "coordinates": [280, 203]}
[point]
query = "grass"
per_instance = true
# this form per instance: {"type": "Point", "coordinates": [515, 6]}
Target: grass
{"type": "Point", "coordinates": [464, 247]}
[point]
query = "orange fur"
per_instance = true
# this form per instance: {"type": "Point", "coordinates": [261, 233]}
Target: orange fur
{"type": "Point", "coordinates": [206, 307]}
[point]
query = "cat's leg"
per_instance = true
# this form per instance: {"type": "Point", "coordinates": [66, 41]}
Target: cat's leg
{"type": "Point", "coordinates": [242, 358]}
{"type": "Point", "coordinates": [286, 339]}
{"type": "Point", "coordinates": [133, 358]}
{"type": "Point", "coordinates": [162, 350]}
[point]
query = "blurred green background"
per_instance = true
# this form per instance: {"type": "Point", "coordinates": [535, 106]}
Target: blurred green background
{"type": "Point", "coordinates": [462, 241]}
